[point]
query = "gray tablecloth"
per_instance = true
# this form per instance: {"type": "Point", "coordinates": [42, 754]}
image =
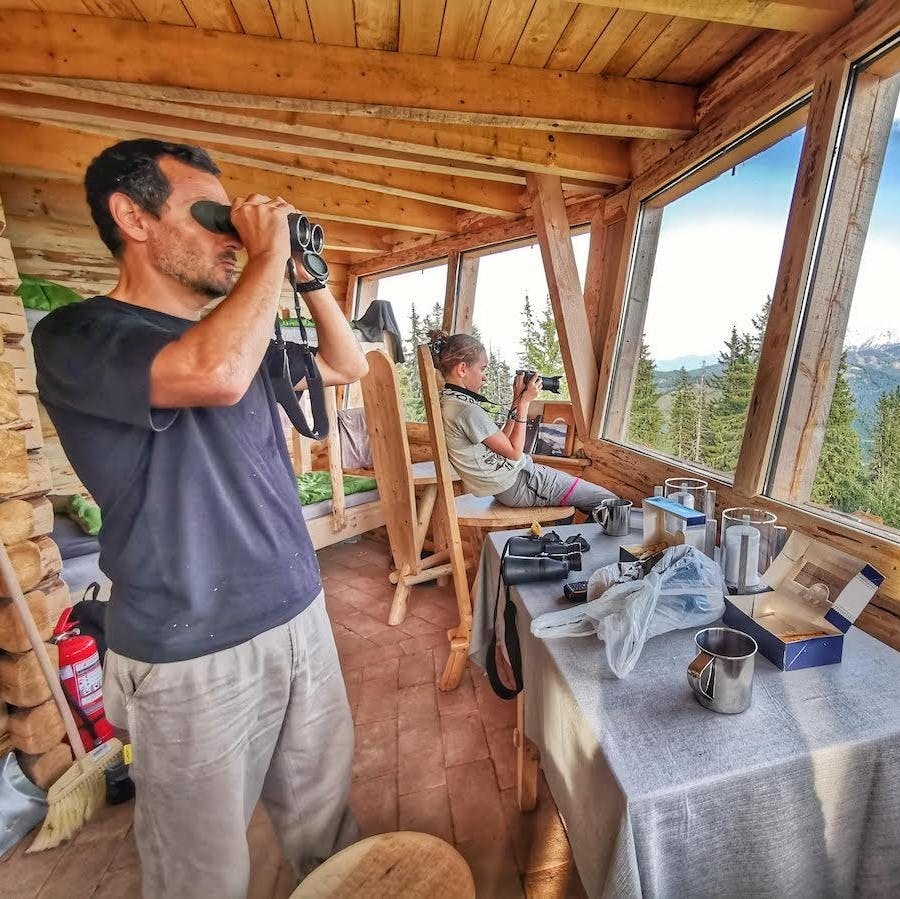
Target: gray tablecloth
{"type": "Point", "coordinates": [798, 796]}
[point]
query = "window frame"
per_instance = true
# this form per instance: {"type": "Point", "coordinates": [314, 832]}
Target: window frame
{"type": "Point", "coordinates": [644, 217]}
{"type": "Point", "coordinates": [870, 101]}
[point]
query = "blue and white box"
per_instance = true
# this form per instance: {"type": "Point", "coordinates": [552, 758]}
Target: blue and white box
{"type": "Point", "coordinates": [815, 594]}
{"type": "Point", "coordinates": [667, 521]}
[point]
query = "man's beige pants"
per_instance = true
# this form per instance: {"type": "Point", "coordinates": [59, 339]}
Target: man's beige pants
{"type": "Point", "coordinates": [211, 735]}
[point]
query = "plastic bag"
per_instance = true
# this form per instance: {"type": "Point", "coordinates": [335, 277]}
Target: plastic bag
{"type": "Point", "coordinates": [22, 804]}
{"type": "Point", "coordinates": [625, 608]}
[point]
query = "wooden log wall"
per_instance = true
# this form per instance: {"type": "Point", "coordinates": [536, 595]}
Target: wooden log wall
{"type": "Point", "coordinates": [29, 721]}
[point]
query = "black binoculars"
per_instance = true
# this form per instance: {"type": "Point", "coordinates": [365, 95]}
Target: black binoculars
{"type": "Point", "coordinates": [524, 569]}
{"type": "Point", "coordinates": [544, 558]}
{"type": "Point", "coordinates": [307, 238]}
{"type": "Point", "coordinates": [527, 547]}
{"type": "Point", "coordinates": [548, 382]}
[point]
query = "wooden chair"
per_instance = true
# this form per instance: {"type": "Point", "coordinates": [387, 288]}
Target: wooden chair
{"type": "Point", "coordinates": [402, 865]}
{"type": "Point", "coordinates": [406, 519]}
{"type": "Point", "coordinates": [479, 513]}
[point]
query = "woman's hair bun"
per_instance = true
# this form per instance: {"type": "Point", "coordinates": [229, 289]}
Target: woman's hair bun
{"type": "Point", "coordinates": [437, 340]}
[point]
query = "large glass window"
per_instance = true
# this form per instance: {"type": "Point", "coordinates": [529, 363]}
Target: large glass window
{"type": "Point", "coordinates": [417, 298]}
{"type": "Point", "coordinates": [840, 432]}
{"type": "Point", "coordinates": [513, 316]}
{"type": "Point", "coordinates": [700, 286]}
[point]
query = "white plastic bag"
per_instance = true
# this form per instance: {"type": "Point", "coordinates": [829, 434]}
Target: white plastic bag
{"type": "Point", "coordinates": [625, 608]}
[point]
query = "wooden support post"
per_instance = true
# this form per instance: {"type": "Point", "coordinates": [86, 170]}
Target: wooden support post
{"type": "Point", "coordinates": [450, 291]}
{"type": "Point", "coordinates": [863, 150]}
{"type": "Point", "coordinates": [467, 281]}
{"type": "Point", "coordinates": [796, 257]}
{"type": "Point", "coordinates": [555, 238]}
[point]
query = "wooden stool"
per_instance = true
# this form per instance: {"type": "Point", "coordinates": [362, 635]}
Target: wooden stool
{"type": "Point", "coordinates": [389, 866]}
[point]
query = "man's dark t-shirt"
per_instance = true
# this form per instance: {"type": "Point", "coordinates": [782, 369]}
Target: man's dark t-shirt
{"type": "Point", "coordinates": [203, 535]}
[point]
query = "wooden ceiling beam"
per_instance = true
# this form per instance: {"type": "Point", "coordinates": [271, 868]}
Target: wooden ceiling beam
{"type": "Point", "coordinates": [50, 149]}
{"type": "Point", "coordinates": [498, 154]}
{"type": "Point", "coordinates": [57, 205]}
{"type": "Point", "coordinates": [808, 16]}
{"type": "Point", "coordinates": [343, 80]}
{"type": "Point", "coordinates": [474, 195]}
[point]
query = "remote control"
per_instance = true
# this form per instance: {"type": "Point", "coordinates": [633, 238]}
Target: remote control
{"type": "Point", "coordinates": [576, 591]}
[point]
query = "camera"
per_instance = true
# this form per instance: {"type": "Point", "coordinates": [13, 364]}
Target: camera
{"type": "Point", "coordinates": [307, 238]}
{"type": "Point", "coordinates": [549, 382]}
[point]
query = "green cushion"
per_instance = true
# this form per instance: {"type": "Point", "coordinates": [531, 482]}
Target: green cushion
{"type": "Point", "coordinates": [315, 486]}
{"type": "Point", "coordinates": [39, 294]}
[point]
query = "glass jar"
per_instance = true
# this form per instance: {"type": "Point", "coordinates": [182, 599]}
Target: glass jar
{"type": "Point", "coordinates": [748, 547]}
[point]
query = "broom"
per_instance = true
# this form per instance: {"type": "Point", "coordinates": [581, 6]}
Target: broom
{"type": "Point", "coordinates": [79, 792]}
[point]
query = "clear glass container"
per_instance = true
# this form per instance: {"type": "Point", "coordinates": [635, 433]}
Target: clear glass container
{"type": "Point", "coordinates": [690, 492]}
{"type": "Point", "coordinates": [744, 561]}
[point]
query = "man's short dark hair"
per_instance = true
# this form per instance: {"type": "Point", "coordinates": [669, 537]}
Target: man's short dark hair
{"type": "Point", "coordinates": [132, 167]}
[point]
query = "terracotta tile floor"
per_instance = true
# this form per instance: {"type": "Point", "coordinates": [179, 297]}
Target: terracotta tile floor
{"type": "Point", "coordinates": [442, 763]}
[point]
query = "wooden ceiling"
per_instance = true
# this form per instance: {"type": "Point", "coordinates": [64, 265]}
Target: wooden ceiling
{"type": "Point", "coordinates": [388, 120]}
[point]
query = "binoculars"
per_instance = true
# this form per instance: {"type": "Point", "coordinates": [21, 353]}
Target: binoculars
{"type": "Point", "coordinates": [307, 238]}
{"type": "Point", "coordinates": [548, 382]}
{"type": "Point", "coordinates": [544, 558]}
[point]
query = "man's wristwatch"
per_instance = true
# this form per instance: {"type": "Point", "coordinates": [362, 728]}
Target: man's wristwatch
{"type": "Point", "coordinates": [511, 416]}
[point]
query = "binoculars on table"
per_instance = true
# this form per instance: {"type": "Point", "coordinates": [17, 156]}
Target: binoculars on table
{"type": "Point", "coordinates": [307, 238]}
{"type": "Point", "coordinates": [545, 558]}
{"type": "Point", "coordinates": [548, 382]}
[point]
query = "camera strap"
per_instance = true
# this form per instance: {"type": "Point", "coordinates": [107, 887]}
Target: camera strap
{"type": "Point", "coordinates": [282, 383]}
{"type": "Point", "coordinates": [511, 645]}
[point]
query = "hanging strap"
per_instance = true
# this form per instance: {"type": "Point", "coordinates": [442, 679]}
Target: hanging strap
{"type": "Point", "coordinates": [282, 383]}
{"type": "Point", "coordinates": [510, 640]}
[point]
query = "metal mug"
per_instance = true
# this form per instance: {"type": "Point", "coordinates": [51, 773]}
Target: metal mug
{"type": "Point", "coordinates": [721, 675]}
{"type": "Point", "coordinates": [614, 516]}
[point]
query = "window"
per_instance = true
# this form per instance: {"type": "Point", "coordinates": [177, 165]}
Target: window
{"type": "Point", "coordinates": [702, 274]}
{"type": "Point", "coordinates": [512, 314]}
{"type": "Point", "coordinates": [839, 446]}
{"type": "Point", "coordinates": [417, 298]}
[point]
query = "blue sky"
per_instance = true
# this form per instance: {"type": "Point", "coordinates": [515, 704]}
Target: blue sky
{"type": "Point", "coordinates": [717, 260]}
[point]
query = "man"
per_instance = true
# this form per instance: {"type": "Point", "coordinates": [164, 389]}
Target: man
{"type": "Point", "coordinates": [222, 665]}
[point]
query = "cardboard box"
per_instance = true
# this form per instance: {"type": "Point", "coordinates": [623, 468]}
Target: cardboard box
{"type": "Point", "coordinates": [815, 594]}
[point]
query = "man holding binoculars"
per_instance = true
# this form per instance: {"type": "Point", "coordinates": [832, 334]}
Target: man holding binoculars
{"type": "Point", "coordinates": [222, 664]}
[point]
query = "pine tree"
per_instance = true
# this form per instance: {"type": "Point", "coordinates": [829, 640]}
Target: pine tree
{"type": "Point", "coordinates": [759, 327]}
{"type": "Point", "coordinates": [839, 479]}
{"type": "Point", "coordinates": [408, 371]}
{"type": "Point", "coordinates": [884, 483]}
{"type": "Point", "coordinates": [727, 414]}
{"type": "Point", "coordinates": [645, 419]}
{"type": "Point", "coordinates": [683, 418]}
{"type": "Point", "coordinates": [701, 424]}
{"type": "Point", "coordinates": [540, 346]}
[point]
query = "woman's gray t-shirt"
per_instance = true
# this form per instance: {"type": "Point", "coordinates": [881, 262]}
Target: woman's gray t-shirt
{"type": "Point", "coordinates": [202, 536]}
{"type": "Point", "coordinates": [466, 425]}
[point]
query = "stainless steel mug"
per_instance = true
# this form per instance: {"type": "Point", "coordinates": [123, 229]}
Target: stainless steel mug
{"type": "Point", "coordinates": [614, 516]}
{"type": "Point", "coordinates": [721, 675]}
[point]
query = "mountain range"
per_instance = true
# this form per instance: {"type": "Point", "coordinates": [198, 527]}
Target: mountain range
{"type": "Point", "coordinates": [873, 368]}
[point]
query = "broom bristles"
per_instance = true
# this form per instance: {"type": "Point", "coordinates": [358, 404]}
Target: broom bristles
{"type": "Point", "coordinates": [75, 796]}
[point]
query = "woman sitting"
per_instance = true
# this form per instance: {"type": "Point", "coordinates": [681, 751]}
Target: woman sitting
{"type": "Point", "coordinates": [490, 460]}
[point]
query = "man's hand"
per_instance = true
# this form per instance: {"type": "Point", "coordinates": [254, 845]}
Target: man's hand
{"type": "Point", "coordinates": [262, 226]}
{"type": "Point", "coordinates": [518, 385]}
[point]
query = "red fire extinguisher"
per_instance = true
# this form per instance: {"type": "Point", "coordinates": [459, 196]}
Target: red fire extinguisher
{"type": "Point", "coordinates": [82, 680]}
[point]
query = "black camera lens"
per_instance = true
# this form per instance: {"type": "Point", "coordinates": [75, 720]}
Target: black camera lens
{"type": "Point", "coordinates": [303, 231]}
{"type": "Point", "coordinates": [317, 239]}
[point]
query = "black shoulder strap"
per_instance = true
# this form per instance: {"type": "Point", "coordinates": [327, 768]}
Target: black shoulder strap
{"type": "Point", "coordinates": [510, 640]}
{"type": "Point", "coordinates": [282, 383]}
